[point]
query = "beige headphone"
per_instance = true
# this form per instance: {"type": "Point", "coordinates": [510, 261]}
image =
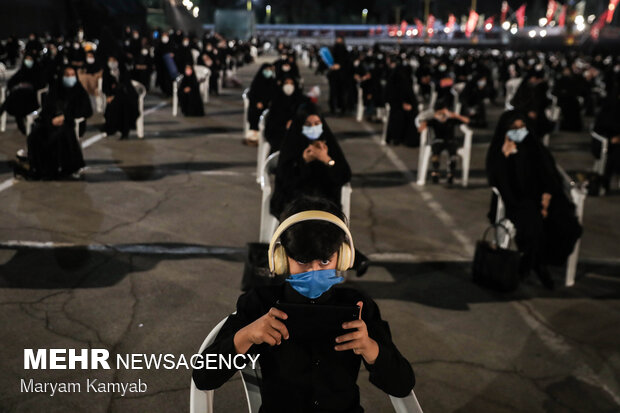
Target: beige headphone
{"type": "Point", "coordinates": [278, 260]}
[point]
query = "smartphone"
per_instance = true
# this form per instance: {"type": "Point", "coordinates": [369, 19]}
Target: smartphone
{"type": "Point", "coordinates": [312, 322]}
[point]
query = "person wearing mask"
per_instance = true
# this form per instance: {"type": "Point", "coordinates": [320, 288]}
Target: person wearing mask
{"type": "Point", "coordinates": [76, 55]}
{"type": "Point", "coordinates": [567, 89]}
{"type": "Point", "coordinates": [54, 151]}
{"type": "Point", "coordinates": [143, 67]}
{"type": "Point", "coordinates": [183, 55]}
{"type": "Point", "coordinates": [262, 90]}
{"type": "Point", "coordinates": [121, 109]}
{"type": "Point", "coordinates": [311, 163]}
{"type": "Point", "coordinates": [339, 77]}
{"type": "Point", "coordinates": [524, 172]}
{"type": "Point", "coordinates": [287, 99]}
{"type": "Point", "coordinates": [315, 369]}
{"type": "Point", "coordinates": [403, 107]}
{"type": "Point", "coordinates": [33, 47]}
{"type": "Point", "coordinates": [164, 79]}
{"type": "Point", "coordinates": [473, 101]}
{"type": "Point", "coordinates": [210, 59]}
{"type": "Point", "coordinates": [531, 98]}
{"type": "Point", "coordinates": [22, 91]}
{"type": "Point", "coordinates": [607, 124]}
{"type": "Point", "coordinates": [190, 99]}
{"type": "Point", "coordinates": [443, 124]}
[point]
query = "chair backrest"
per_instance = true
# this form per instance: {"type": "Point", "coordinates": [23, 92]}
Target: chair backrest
{"type": "Point", "coordinates": [201, 72]}
{"type": "Point", "coordinates": [140, 88]}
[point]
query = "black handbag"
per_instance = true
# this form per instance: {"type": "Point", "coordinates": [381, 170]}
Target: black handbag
{"type": "Point", "coordinates": [494, 267]}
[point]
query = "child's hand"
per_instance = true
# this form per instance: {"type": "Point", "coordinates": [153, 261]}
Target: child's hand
{"type": "Point", "coordinates": [267, 329]}
{"type": "Point", "coordinates": [358, 341]}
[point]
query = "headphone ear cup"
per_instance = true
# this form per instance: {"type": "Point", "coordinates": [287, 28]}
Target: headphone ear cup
{"type": "Point", "coordinates": [280, 260]}
{"type": "Point", "coordinates": [344, 257]}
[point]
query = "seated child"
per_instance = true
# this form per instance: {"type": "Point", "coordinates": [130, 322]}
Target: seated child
{"type": "Point", "coordinates": [443, 124]}
{"type": "Point", "coordinates": [310, 374]}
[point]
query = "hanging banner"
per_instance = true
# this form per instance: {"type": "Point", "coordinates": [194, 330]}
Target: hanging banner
{"type": "Point", "coordinates": [430, 23]}
{"type": "Point", "coordinates": [471, 23]}
{"type": "Point", "coordinates": [504, 12]}
{"type": "Point", "coordinates": [562, 18]}
{"type": "Point", "coordinates": [451, 22]}
{"type": "Point", "coordinates": [488, 24]}
{"type": "Point", "coordinates": [520, 15]}
{"type": "Point", "coordinates": [552, 7]}
{"type": "Point", "coordinates": [611, 9]}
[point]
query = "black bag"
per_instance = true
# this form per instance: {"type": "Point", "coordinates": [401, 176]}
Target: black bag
{"type": "Point", "coordinates": [256, 268]}
{"type": "Point", "coordinates": [494, 267]}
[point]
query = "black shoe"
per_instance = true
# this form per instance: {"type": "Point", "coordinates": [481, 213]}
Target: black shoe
{"type": "Point", "coordinates": [450, 179]}
{"type": "Point", "coordinates": [545, 277]}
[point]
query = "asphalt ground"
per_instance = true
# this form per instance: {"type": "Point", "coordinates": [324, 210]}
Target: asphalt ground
{"type": "Point", "coordinates": [146, 253]}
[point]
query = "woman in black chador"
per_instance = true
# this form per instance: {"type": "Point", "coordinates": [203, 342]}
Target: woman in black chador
{"type": "Point", "coordinates": [189, 94]}
{"type": "Point", "coordinates": [261, 92]}
{"type": "Point", "coordinates": [53, 148]}
{"type": "Point", "coordinates": [531, 99]}
{"type": "Point", "coordinates": [608, 125]}
{"type": "Point", "coordinates": [22, 87]}
{"type": "Point", "coordinates": [568, 88]}
{"type": "Point", "coordinates": [531, 187]}
{"type": "Point", "coordinates": [403, 107]}
{"type": "Point", "coordinates": [121, 109]}
{"type": "Point", "coordinates": [287, 99]}
{"type": "Point", "coordinates": [311, 163]}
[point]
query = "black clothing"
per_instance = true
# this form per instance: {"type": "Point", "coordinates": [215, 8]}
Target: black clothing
{"type": "Point", "coordinates": [608, 125]}
{"type": "Point", "coordinates": [54, 151]}
{"type": "Point", "coordinates": [121, 113]}
{"type": "Point", "coordinates": [295, 177]}
{"type": "Point", "coordinates": [401, 123]}
{"type": "Point", "coordinates": [472, 98]}
{"type": "Point", "coordinates": [444, 139]}
{"type": "Point", "coordinates": [300, 376]}
{"type": "Point", "coordinates": [521, 179]}
{"type": "Point", "coordinates": [281, 111]}
{"type": "Point", "coordinates": [262, 90]}
{"type": "Point", "coordinates": [22, 93]}
{"type": "Point", "coordinates": [567, 91]}
{"type": "Point", "coordinates": [142, 69]}
{"type": "Point", "coordinates": [533, 98]}
{"type": "Point", "coordinates": [339, 79]}
{"type": "Point", "coordinates": [190, 102]}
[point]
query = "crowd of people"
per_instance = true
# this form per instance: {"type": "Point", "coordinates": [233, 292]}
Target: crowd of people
{"type": "Point", "coordinates": [63, 77]}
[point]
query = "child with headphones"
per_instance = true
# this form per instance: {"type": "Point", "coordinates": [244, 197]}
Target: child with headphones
{"type": "Point", "coordinates": [302, 372]}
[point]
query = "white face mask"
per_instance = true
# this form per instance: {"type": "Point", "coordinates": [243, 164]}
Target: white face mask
{"type": "Point", "coordinates": [164, 40]}
{"type": "Point", "coordinates": [90, 60]}
{"type": "Point", "coordinates": [517, 135]}
{"type": "Point", "coordinates": [286, 68]}
{"type": "Point", "coordinates": [144, 52]}
{"type": "Point", "coordinates": [185, 43]}
{"type": "Point", "coordinates": [113, 65]}
{"type": "Point", "coordinates": [288, 89]}
{"type": "Point", "coordinates": [312, 132]}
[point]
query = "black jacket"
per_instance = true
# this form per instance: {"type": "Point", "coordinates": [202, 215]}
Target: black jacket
{"type": "Point", "coordinates": [303, 376]}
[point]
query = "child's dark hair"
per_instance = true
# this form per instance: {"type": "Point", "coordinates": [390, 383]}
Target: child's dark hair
{"type": "Point", "coordinates": [440, 105]}
{"type": "Point", "coordinates": [312, 240]}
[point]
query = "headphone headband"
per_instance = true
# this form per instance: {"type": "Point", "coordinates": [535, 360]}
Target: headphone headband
{"type": "Point", "coordinates": [313, 215]}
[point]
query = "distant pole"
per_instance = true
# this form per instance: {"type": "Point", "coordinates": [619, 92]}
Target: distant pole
{"type": "Point", "coordinates": [364, 16]}
{"type": "Point", "coordinates": [427, 9]}
{"type": "Point", "coordinates": [473, 5]}
{"type": "Point", "coordinates": [268, 12]}
{"type": "Point", "coordinates": [249, 5]}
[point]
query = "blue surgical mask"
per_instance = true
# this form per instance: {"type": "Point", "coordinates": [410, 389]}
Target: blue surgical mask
{"type": "Point", "coordinates": [517, 135]}
{"type": "Point", "coordinates": [28, 63]}
{"type": "Point", "coordinates": [313, 132]}
{"type": "Point", "coordinates": [69, 81]}
{"type": "Point", "coordinates": [313, 284]}
{"type": "Point", "coordinates": [267, 73]}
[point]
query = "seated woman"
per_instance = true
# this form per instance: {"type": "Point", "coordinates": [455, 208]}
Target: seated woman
{"type": "Point", "coordinates": [22, 91]}
{"type": "Point", "coordinates": [472, 98]}
{"type": "Point", "coordinates": [285, 103]}
{"type": "Point", "coordinates": [311, 163]}
{"type": "Point", "coordinates": [190, 99]}
{"type": "Point", "coordinates": [524, 172]}
{"type": "Point", "coordinates": [122, 109]}
{"type": "Point", "coordinates": [310, 370]}
{"type": "Point", "coordinates": [608, 125]}
{"type": "Point", "coordinates": [53, 149]}
{"type": "Point", "coordinates": [260, 95]}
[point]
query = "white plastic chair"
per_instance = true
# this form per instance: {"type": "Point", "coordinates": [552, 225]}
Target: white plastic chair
{"type": "Point", "coordinates": [425, 153]}
{"type": "Point", "coordinates": [269, 223]}
{"type": "Point", "coordinates": [601, 162]}
{"type": "Point", "coordinates": [263, 147]}
{"type": "Point", "coordinates": [359, 113]}
{"type": "Point", "coordinates": [201, 401]}
{"type": "Point", "coordinates": [3, 116]}
{"type": "Point", "coordinates": [100, 99]}
{"type": "Point", "coordinates": [175, 95]}
{"type": "Point", "coordinates": [246, 108]}
{"type": "Point", "coordinates": [386, 119]}
{"type": "Point", "coordinates": [456, 91]}
{"type": "Point", "coordinates": [203, 74]}
{"type": "Point", "coordinates": [511, 89]}
{"type": "Point", "coordinates": [77, 122]}
{"type": "Point", "coordinates": [141, 90]}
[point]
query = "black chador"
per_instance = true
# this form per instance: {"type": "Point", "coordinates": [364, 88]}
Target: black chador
{"type": "Point", "coordinates": [122, 110]}
{"type": "Point", "coordinates": [403, 108]}
{"type": "Point", "coordinates": [261, 92]}
{"type": "Point", "coordinates": [190, 99]}
{"type": "Point", "coordinates": [523, 175]}
{"type": "Point", "coordinates": [53, 148]}
{"type": "Point", "coordinates": [285, 103]}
